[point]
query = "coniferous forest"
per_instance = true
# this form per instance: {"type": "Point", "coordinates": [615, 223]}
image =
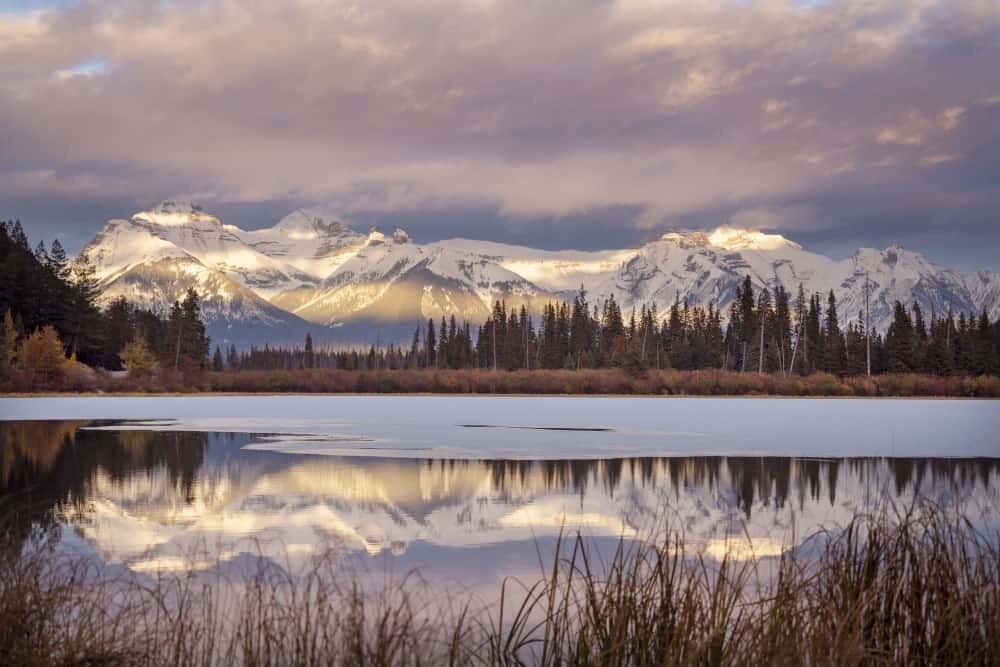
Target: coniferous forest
{"type": "Point", "coordinates": [763, 332]}
{"type": "Point", "coordinates": [54, 335]}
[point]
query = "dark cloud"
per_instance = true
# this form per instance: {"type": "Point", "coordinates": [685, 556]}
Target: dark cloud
{"type": "Point", "coordinates": [563, 123]}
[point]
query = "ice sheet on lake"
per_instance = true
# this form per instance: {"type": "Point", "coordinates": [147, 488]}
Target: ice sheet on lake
{"type": "Point", "coordinates": [559, 427]}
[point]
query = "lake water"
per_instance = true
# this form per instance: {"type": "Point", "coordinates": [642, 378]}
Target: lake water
{"type": "Point", "coordinates": [472, 489]}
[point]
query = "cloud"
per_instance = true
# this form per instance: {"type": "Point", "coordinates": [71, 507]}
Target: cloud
{"type": "Point", "coordinates": [669, 109]}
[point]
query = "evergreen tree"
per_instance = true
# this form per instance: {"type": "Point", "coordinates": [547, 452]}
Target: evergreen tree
{"type": "Point", "coordinates": [8, 341]}
{"type": "Point", "coordinates": [415, 349]}
{"type": "Point", "coordinates": [834, 359]}
{"type": "Point", "coordinates": [747, 324]}
{"type": "Point", "coordinates": [580, 331]}
{"type": "Point", "coordinates": [899, 341]}
{"type": "Point", "coordinates": [800, 346]}
{"type": "Point", "coordinates": [986, 353]}
{"type": "Point", "coordinates": [430, 345]}
{"type": "Point", "coordinates": [232, 358]}
{"type": "Point", "coordinates": [309, 355]}
{"type": "Point", "coordinates": [58, 262]}
{"type": "Point", "coordinates": [919, 338]}
{"type": "Point", "coordinates": [938, 359]}
{"type": "Point", "coordinates": [813, 347]}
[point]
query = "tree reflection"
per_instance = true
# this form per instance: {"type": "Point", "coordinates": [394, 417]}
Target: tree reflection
{"type": "Point", "coordinates": [47, 465]}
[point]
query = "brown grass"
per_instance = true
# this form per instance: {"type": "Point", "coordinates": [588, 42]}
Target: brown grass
{"type": "Point", "coordinates": [910, 586]}
{"type": "Point", "coordinates": [478, 381]}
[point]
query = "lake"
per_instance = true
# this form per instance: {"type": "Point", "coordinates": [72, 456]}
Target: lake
{"type": "Point", "coordinates": [469, 490]}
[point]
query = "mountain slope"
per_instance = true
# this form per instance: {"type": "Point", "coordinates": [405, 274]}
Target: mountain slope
{"type": "Point", "coordinates": [310, 272]}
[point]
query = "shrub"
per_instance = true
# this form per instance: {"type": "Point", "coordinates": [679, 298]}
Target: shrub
{"type": "Point", "coordinates": [42, 353]}
{"type": "Point", "coordinates": [137, 358]}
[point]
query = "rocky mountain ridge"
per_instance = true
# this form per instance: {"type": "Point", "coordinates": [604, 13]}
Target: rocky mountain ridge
{"type": "Point", "coordinates": [312, 272]}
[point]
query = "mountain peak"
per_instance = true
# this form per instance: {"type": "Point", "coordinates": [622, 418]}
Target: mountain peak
{"type": "Point", "coordinates": [733, 238]}
{"type": "Point", "coordinates": [311, 224]}
{"type": "Point", "coordinates": [729, 238]}
{"type": "Point", "coordinates": [685, 236]}
{"type": "Point", "coordinates": [375, 237]}
{"type": "Point", "coordinates": [173, 213]}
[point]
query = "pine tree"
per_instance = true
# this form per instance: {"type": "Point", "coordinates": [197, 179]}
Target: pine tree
{"type": "Point", "coordinates": [938, 358]}
{"type": "Point", "coordinates": [580, 331]}
{"type": "Point", "coordinates": [899, 341]}
{"type": "Point", "coordinates": [309, 355]}
{"type": "Point", "coordinates": [118, 328]}
{"type": "Point", "coordinates": [747, 324]}
{"type": "Point", "coordinates": [430, 345]}
{"type": "Point", "coordinates": [84, 317]}
{"type": "Point", "coordinates": [782, 330]}
{"type": "Point", "coordinates": [217, 364]}
{"type": "Point", "coordinates": [986, 353]}
{"type": "Point", "coordinates": [232, 358]}
{"type": "Point", "coordinates": [919, 338]}
{"type": "Point", "coordinates": [415, 349]}
{"type": "Point", "coordinates": [814, 336]}
{"type": "Point", "coordinates": [8, 341]}
{"type": "Point", "coordinates": [58, 261]}
{"type": "Point", "coordinates": [799, 358]}
{"type": "Point", "coordinates": [196, 343]}
{"type": "Point", "coordinates": [834, 359]}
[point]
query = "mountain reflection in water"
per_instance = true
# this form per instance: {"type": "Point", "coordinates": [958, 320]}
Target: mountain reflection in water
{"type": "Point", "coordinates": [147, 499]}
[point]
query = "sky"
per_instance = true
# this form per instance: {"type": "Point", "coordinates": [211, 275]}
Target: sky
{"type": "Point", "coordinates": [560, 124]}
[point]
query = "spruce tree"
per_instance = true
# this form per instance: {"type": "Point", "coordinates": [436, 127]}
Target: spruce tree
{"type": "Point", "coordinates": [8, 341]}
{"type": "Point", "coordinates": [232, 358]}
{"type": "Point", "coordinates": [309, 355]}
{"type": "Point", "coordinates": [415, 349]}
{"type": "Point", "coordinates": [900, 340]}
{"type": "Point", "coordinates": [430, 345]}
{"type": "Point", "coordinates": [833, 340]}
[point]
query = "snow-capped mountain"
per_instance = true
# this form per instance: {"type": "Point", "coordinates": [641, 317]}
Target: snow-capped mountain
{"type": "Point", "coordinates": [311, 272]}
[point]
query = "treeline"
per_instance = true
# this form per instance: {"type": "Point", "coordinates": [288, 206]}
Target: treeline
{"type": "Point", "coordinates": [767, 332]}
{"type": "Point", "coordinates": [51, 325]}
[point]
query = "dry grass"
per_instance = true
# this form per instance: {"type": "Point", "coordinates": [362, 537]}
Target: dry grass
{"type": "Point", "coordinates": [914, 586]}
{"type": "Point", "coordinates": [600, 381]}
{"type": "Point", "coordinates": [480, 381]}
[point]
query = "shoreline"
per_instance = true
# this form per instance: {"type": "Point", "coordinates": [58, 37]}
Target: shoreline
{"type": "Point", "coordinates": [427, 394]}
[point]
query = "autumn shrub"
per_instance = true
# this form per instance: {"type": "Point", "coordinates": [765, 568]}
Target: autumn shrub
{"type": "Point", "coordinates": [77, 377]}
{"type": "Point", "coordinates": [42, 353]}
{"type": "Point", "coordinates": [984, 386]}
{"type": "Point", "coordinates": [137, 358]}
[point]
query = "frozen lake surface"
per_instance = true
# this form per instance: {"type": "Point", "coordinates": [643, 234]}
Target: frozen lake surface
{"type": "Point", "coordinates": [479, 427]}
{"type": "Point", "coordinates": [470, 490]}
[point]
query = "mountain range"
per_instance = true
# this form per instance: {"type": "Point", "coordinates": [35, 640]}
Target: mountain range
{"type": "Point", "coordinates": [312, 273]}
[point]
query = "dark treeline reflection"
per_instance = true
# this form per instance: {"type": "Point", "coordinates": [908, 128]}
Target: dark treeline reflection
{"type": "Point", "coordinates": [47, 464]}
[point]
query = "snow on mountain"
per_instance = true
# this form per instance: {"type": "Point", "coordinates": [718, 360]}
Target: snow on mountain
{"type": "Point", "coordinates": [312, 268]}
{"type": "Point", "coordinates": [702, 268]}
{"type": "Point", "coordinates": [391, 279]}
{"type": "Point", "coordinates": [156, 256]}
{"type": "Point", "coordinates": [984, 286]}
{"type": "Point", "coordinates": [307, 239]}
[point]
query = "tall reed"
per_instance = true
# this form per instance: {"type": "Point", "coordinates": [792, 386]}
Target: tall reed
{"type": "Point", "coordinates": [910, 585]}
